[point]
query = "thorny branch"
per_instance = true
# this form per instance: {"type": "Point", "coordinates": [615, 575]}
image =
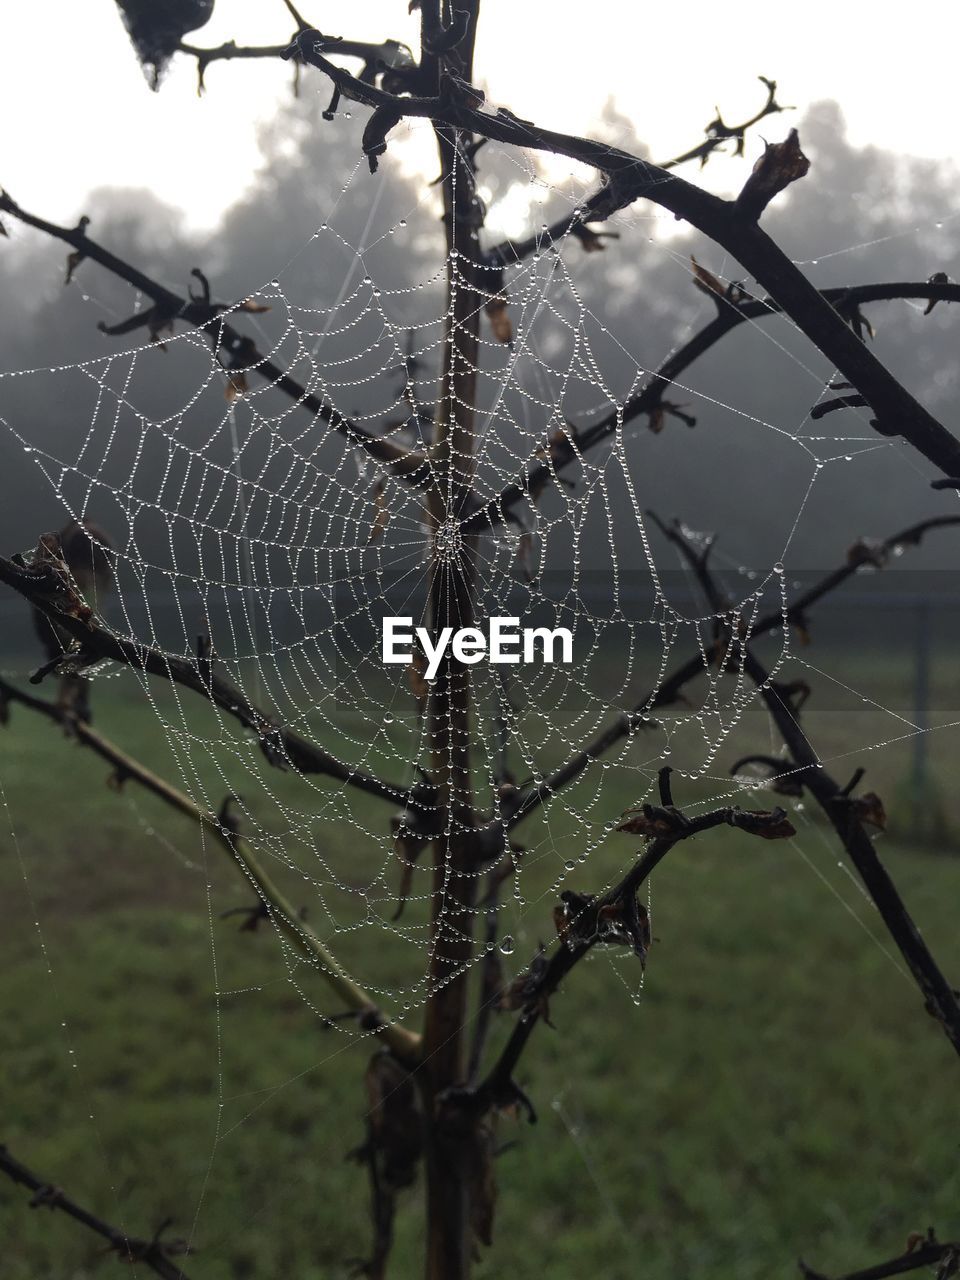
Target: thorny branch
{"type": "Point", "coordinates": [731, 224]}
{"type": "Point", "coordinates": [922, 1251]}
{"type": "Point", "coordinates": [596, 208]}
{"type": "Point", "coordinates": [588, 920]}
{"type": "Point", "coordinates": [156, 1253]}
{"type": "Point", "coordinates": [733, 310]}
{"type": "Point", "coordinates": [670, 689]}
{"type": "Point", "coordinates": [236, 352]}
{"type": "Point", "coordinates": [225, 830]}
{"type": "Point", "coordinates": [282, 747]}
{"type": "Point", "coordinates": [838, 803]}
{"type": "Point", "coordinates": [388, 58]}
{"type": "Point", "coordinates": [940, 998]}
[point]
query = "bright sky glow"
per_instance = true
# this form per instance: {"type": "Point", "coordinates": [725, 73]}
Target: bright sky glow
{"type": "Point", "coordinates": [77, 113]}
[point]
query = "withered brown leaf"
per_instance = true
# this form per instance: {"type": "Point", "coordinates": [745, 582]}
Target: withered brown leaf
{"type": "Point", "coordinates": [780, 164]}
{"type": "Point", "coordinates": [500, 321]}
{"type": "Point", "coordinates": [73, 261]}
{"type": "Point", "coordinates": [867, 551]}
{"type": "Point", "coordinates": [706, 281]}
{"type": "Point", "coordinates": [236, 384]}
{"type": "Point", "coordinates": [869, 809]}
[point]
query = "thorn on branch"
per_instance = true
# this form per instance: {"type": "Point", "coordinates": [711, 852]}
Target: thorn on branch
{"type": "Point", "coordinates": [780, 164]}
{"type": "Point", "coordinates": [592, 241]}
{"type": "Point", "coordinates": [868, 551]}
{"type": "Point", "coordinates": [656, 417]}
{"type": "Point", "coordinates": [717, 131]}
{"type": "Point", "coordinates": [149, 1251]}
{"type": "Point", "coordinates": [252, 916]}
{"type": "Point", "coordinates": [47, 1197]}
{"type": "Point", "coordinates": [850, 311]}
{"type": "Point", "coordinates": [841, 402]}
{"type": "Point", "coordinates": [333, 104]}
{"type": "Point", "coordinates": [938, 277]}
{"type": "Point", "coordinates": [78, 255]}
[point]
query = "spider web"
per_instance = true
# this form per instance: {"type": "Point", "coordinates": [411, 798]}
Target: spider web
{"type": "Point", "coordinates": [236, 515]}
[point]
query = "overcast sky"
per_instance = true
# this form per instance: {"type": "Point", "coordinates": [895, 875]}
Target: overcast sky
{"type": "Point", "coordinates": [77, 113]}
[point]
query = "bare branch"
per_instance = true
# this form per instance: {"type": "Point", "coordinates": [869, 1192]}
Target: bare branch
{"type": "Point", "coordinates": [282, 747]}
{"type": "Point", "coordinates": [594, 209]}
{"type": "Point", "coordinates": [807, 769]}
{"type": "Point", "coordinates": [649, 400]}
{"type": "Point", "coordinates": [940, 999]}
{"type": "Point", "coordinates": [589, 923]}
{"type": "Point", "coordinates": [630, 178]}
{"type": "Point", "coordinates": [387, 57]}
{"type": "Point", "coordinates": [155, 1253]}
{"type": "Point", "coordinates": [669, 690]}
{"type": "Point", "coordinates": [922, 1251]}
{"type": "Point", "coordinates": [234, 350]}
{"type": "Point", "coordinates": [224, 829]}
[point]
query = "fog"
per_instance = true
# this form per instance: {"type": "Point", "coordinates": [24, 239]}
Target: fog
{"type": "Point", "coordinates": [143, 440]}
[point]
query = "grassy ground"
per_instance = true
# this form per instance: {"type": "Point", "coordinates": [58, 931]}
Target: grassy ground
{"type": "Point", "coordinates": [776, 1091]}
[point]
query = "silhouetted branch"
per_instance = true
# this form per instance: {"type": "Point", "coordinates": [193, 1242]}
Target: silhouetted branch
{"type": "Point", "coordinates": [922, 1251]}
{"type": "Point", "coordinates": [840, 808]}
{"type": "Point", "coordinates": [733, 227]}
{"type": "Point", "coordinates": [273, 903]}
{"type": "Point", "coordinates": [282, 747]}
{"type": "Point", "coordinates": [940, 999]}
{"type": "Point", "coordinates": [155, 1253]}
{"type": "Point", "coordinates": [236, 352]}
{"type": "Point", "coordinates": [588, 920]}
{"type": "Point", "coordinates": [380, 58]}
{"type": "Point", "coordinates": [594, 208]}
{"type": "Point", "coordinates": [649, 400]}
{"type": "Point", "coordinates": [836, 802]}
{"type": "Point", "coordinates": [670, 689]}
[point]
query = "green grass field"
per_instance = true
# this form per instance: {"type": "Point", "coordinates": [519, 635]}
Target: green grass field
{"type": "Point", "coordinates": [776, 1091]}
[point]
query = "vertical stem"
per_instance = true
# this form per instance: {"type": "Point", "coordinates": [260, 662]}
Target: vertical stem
{"type": "Point", "coordinates": [452, 604]}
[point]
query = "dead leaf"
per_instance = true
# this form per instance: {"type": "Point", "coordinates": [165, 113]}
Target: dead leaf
{"type": "Point", "coordinates": [236, 385]}
{"type": "Point", "coordinates": [254, 308]}
{"type": "Point", "coordinates": [869, 809]}
{"type": "Point", "coordinates": [73, 261]}
{"type": "Point", "coordinates": [652, 821]}
{"type": "Point", "coordinates": [780, 164]}
{"type": "Point", "coordinates": [938, 277]}
{"type": "Point", "coordinates": [592, 241]}
{"type": "Point", "coordinates": [867, 551]}
{"type": "Point", "coordinates": [706, 281]}
{"type": "Point", "coordinates": [770, 824]}
{"type": "Point", "coordinates": [657, 417]}
{"type": "Point", "coordinates": [500, 321]}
